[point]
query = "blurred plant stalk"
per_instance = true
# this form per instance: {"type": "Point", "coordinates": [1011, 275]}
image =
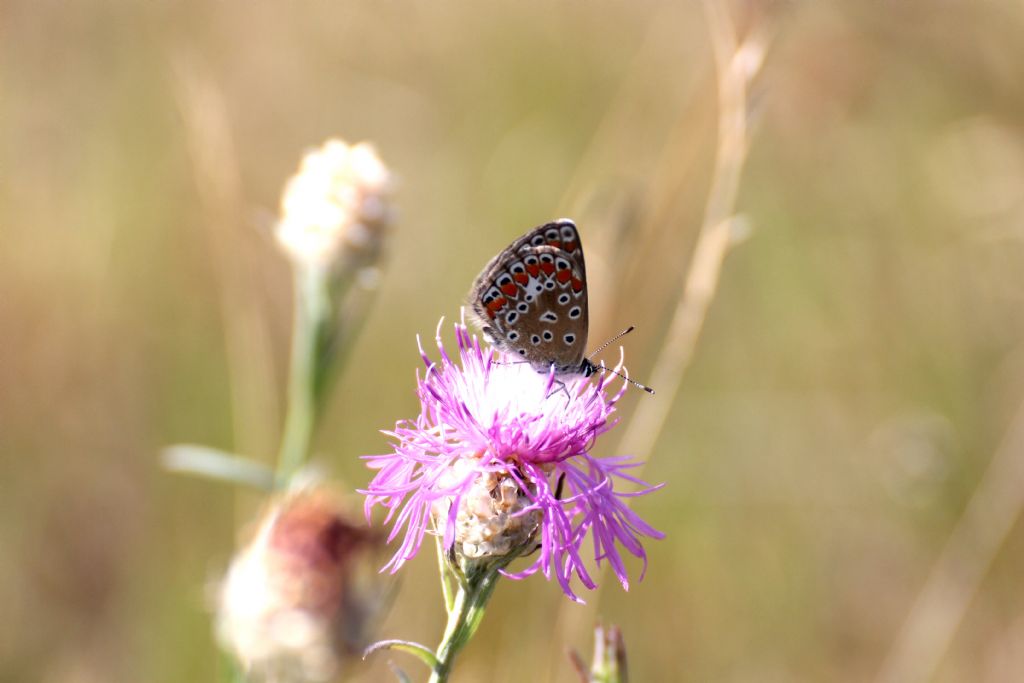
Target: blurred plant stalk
{"type": "Point", "coordinates": [334, 214]}
{"type": "Point", "coordinates": [957, 574]}
{"type": "Point", "coordinates": [609, 661]}
{"type": "Point", "coordinates": [287, 610]}
{"type": "Point", "coordinates": [737, 64]}
{"type": "Point", "coordinates": [308, 362]}
{"type": "Point", "coordinates": [255, 404]}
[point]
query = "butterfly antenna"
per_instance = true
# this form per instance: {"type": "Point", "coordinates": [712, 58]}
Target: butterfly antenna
{"type": "Point", "coordinates": [631, 381]}
{"type": "Point", "coordinates": [602, 366]}
{"type": "Point", "coordinates": [614, 339]}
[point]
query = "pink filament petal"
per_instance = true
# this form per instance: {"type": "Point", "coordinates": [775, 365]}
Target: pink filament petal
{"type": "Point", "coordinates": [504, 418]}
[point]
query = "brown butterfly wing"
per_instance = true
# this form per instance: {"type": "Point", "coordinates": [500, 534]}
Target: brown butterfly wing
{"type": "Point", "coordinates": [531, 299]}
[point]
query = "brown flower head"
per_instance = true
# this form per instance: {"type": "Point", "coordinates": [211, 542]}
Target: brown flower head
{"type": "Point", "coordinates": [288, 608]}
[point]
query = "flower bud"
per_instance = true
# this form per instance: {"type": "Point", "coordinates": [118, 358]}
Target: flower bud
{"type": "Point", "coordinates": [609, 662]}
{"type": "Point", "coordinates": [287, 608]}
{"type": "Point", "coordinates": [495, 518]}
{"type": "Point", "coordinates": [336, 208]}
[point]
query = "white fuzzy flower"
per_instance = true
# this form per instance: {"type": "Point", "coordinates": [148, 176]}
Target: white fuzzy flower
{"type": "Point", "coordinates": [336, 206]}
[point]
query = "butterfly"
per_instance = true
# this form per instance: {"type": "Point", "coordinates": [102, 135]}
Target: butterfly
{"type": "Point", "coordinates": [531, 300]}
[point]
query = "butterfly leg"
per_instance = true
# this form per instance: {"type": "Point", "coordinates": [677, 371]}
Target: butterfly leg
{"type": "Point", "coordinates": [562, 388]}
{"type": "Point", "coordinates": [559, 485]}
{"type": "Point", "coordinates": [558, 496]}
{"type": "Point", "coordinates": [509, 362]}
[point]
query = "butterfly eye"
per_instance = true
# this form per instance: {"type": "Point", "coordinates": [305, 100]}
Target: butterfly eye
{"type": "Point", "coordinates": [575, 312]}
{"type": "Point", "coordinates": [568, 233]}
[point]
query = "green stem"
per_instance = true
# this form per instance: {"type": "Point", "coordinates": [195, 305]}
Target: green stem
{"type": "Point", "coordinates": [448, 648]}
{"type": "Point", "coordinates": [463, 619]}
{"type": "Point", "coordinates": [446, 575]}
{"type": "Point", "coordinates": [311, 312]}
{"type": "Point", "coordinates": [232, 672]}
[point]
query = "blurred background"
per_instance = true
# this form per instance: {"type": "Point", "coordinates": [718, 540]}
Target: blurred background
{"type": "Point", "coordinates": [843, 461]}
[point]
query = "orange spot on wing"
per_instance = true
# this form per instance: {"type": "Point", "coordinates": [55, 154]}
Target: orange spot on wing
{"type": "Point", "coordinates": [563, 276]}
{"type": "Point", "coordinates": [497, 304]}
{"type": "Point", "coordinates": [569, 247]}
{"type": "Point", "coordinates": [548, 268]}
{"type": "Point", "coordinates": [533, 270]}
{"type": "Point", "coordinates": [510, 289]}
{"type": "Point", "coordinates": [557, 244]}
{"type": "Point", "coordinates": [521, 278]}
{"type": "Point", "coordinates": [577, 284]}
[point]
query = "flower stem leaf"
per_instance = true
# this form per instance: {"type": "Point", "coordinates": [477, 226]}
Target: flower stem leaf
{"type": "Point", "coordinates": [217, 465]}
{"type": "Point", "coordinates": [447, 579]}
{"type": "Point", "coordinates": [421, 651]}
{"type": "Point", "coordinates": [311, 314]}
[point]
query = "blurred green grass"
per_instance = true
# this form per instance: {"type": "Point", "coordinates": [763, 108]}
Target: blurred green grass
{"type": "Point", "coordinates": [858, 368]}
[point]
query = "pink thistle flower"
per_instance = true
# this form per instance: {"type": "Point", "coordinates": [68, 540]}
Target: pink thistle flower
{"type": "Point", "coordinates": [499, 462]}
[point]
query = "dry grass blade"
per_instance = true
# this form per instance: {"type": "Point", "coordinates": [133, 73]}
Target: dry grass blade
{"type": "Point", "coordinates": [736, 63]}
{"type": "Point", "coordinates": [954, 580]}
{"type": "Point", "coordinates": [214, 164]}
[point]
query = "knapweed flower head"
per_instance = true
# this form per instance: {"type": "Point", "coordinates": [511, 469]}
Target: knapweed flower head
{"type": "Point", "coordinates": [290, 607]}
{"type": "Point", "coordinates": [498, 462]}
{"type": "Point", "coordinates": [336, 206]}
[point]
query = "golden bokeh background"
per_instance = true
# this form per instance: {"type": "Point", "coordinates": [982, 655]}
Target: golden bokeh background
{"type": "Point", "coordinates": [843, 463]}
